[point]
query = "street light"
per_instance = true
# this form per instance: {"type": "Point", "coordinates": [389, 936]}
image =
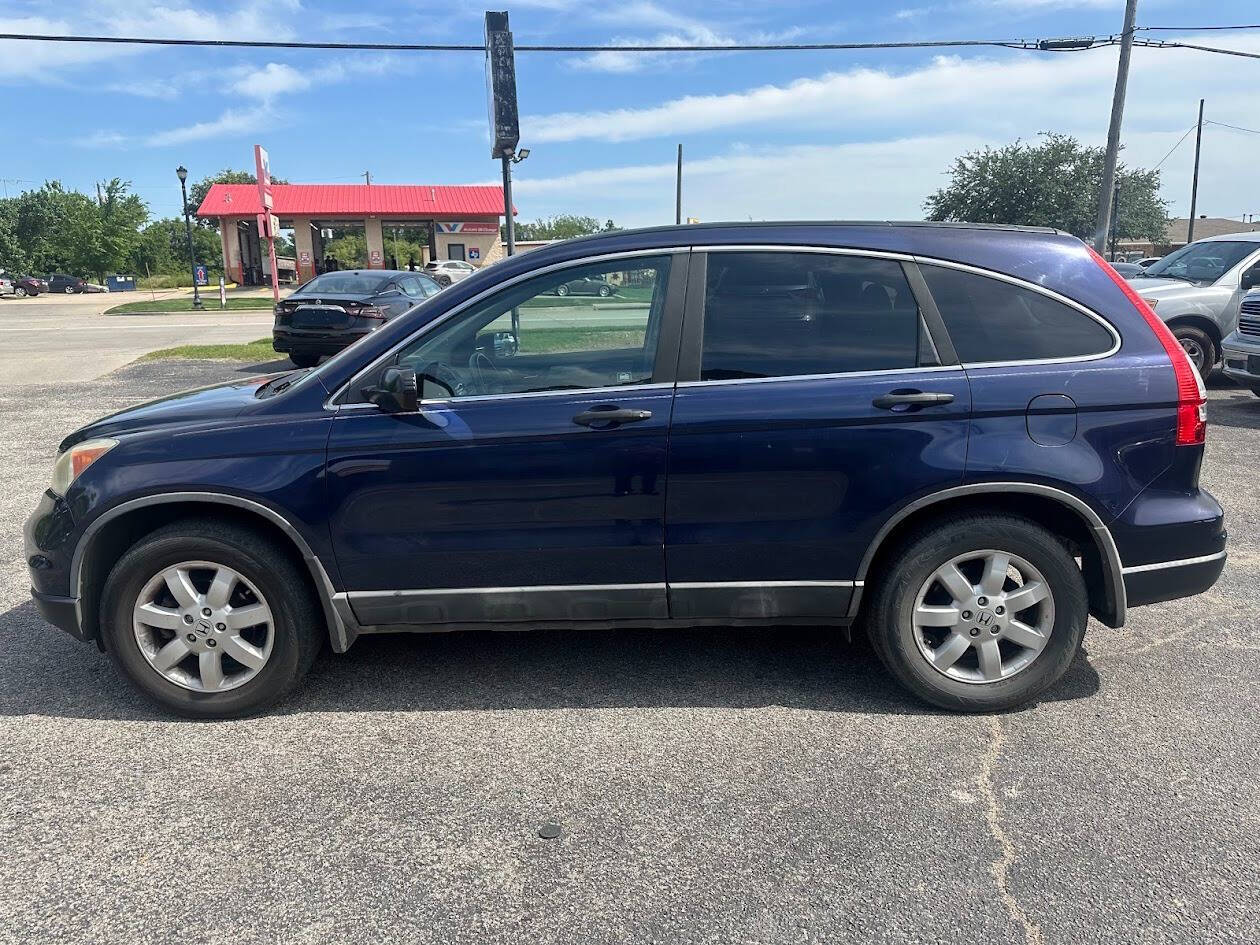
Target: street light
{"type": "Point", "coordinates": [182, 173]}
{"type": "Point", "coordinates": [509, 158]}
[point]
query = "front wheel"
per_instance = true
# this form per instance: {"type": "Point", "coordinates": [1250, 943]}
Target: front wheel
{"type": "Point", "coordinates": [209, 620]}
{"type": "Point", "coordinates": [1198, 347]}
{"type": "Point", "coordinates": [304, 360]}
{"type": "Point", "coordinates": [69, 290]}
{"type": "Point", "coordinates": [604, 291]}
{"type": "Point", "coordinates": [979, 614]}
{"type": "Point", "coordinates": [562, 290]}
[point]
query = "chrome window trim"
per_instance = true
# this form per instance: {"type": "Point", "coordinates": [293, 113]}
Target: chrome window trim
{"type": "Point", "coordinates": [780, 378]}
{"type": "Point", "coordinates": [803, 248]}
{"type": "Point", "coordinates": [526, 589]}
{"type": "Point", "coordinates": [1033, 287]}
{"type": "Point", "coordinates": [448, 403]}
{"type": "Point", "coordinates": [330, 403]}
{"type": "Point", "coordinates": [1178, 563]}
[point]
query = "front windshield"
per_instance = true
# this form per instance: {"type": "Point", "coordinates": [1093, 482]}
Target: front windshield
{"type": "Point", "coordinates": [1203, 262]}
{"type": "Point", "coordinates": [342, 283]}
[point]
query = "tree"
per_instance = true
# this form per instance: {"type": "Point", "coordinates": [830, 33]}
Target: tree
{"type": "Point", "coordinates": [162, 249]}
{"type": "Point", "coordinates": [1054, 182]}
{"type": "Point", "coordinates": [562, 227]}
{"type": "Point", "coordinates": [197, 192]}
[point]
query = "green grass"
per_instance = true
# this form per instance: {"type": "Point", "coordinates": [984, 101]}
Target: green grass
{"type": "Point", "coordinates": [259, 350]}
{"type": "Point", "coordinates": [183, 304]}
{"type": "Point", "coordinates": [592, 338]}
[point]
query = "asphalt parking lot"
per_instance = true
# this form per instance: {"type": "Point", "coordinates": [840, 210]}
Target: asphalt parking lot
{"type": "Point", "coordinates": [713, 786]}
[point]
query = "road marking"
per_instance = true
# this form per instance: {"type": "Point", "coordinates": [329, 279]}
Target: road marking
{"type": "Point", "coordinates": [61, 328]}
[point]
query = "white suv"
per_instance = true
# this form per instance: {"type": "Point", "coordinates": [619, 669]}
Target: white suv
{"type": "Point", "coordinates": [446, 271]}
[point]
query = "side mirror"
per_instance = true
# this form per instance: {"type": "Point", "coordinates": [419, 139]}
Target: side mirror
{"type": "Point", "coordinates": [1251, 278]}
{"type": "Point", "coordinates": [396, 392]}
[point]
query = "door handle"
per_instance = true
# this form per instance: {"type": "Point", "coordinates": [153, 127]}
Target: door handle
{"type": "Point", "coordinates": [910, 399]}
{"type": "Point", "coordinates": [613, 415]}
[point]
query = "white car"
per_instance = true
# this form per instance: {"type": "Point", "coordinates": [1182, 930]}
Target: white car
{"type": "Point", "coordinates": [7, 285]}
{"type": "Point", "coordinates": [446, 271]}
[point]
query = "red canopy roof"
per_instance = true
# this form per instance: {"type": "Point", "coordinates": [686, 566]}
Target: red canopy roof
{"type": "Point", "coordinates": [358, 200]}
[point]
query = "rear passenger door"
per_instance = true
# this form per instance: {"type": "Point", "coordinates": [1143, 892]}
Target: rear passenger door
{"type": "Point", "coordinates": [813, 399]}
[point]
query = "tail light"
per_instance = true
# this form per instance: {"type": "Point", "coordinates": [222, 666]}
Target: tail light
{"type": "Point", "coordinates": [1191, 395]}
{"type": "Point", "coordinates": [370, 311]}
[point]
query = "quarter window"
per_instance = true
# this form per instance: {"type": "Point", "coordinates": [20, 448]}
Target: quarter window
{"type": "Point", "coordinates": [990, 320]}
{"type": "Point", "coordinates": [792, 314]}
{"type": "Point", "coordinates": [532, 337]}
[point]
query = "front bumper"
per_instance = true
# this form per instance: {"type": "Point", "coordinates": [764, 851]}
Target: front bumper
{"type": "Point", "coordinates": [1241, 357]}
{"type": "Point", "coordinates": [49, 538]}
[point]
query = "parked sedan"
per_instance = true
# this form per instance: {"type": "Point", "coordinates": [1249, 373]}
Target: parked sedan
{"type": "Point", "coordinates": [338, 308]}
{"type": "Point", "coordinates": [587, 285]}
{"type": "Point", "coordinates": [7, 285]}
{"type": "Point", "coordinates": [28, 285]}
{"type": "Point", "coordinates": [70, 285]}
{"type": "Point", "coordinates": [1127, 269]}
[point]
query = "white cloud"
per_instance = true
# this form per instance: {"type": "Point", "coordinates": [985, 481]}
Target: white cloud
{"type": "Point", "coordinates": [273, 79]}
{"type": "Point", "coordinates": [233, 122]}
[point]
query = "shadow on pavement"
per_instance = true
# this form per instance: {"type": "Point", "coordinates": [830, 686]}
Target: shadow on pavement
{"type": "Point", "coordinates": [46, 672]}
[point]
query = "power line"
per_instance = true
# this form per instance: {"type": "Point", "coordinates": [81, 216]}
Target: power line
{"type": "Point", "coordinates": [1174, 147]}
{"type": "Point", "coordinates": [1161, 44]}
{"type": "Point", "coordinates": [1075, 44]}
{"type": "Point", "coordinates": [1194, 29]}
{"type": "Point", "coordinates": [1250, 131]}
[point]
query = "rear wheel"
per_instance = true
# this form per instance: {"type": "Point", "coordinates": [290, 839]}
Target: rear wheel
{"type": "Point", "coordinates": [209, 620]}
{"type": "Point", "coordinates": [604, 291]}
{"type": "Point", "coordinates": [304, 360]}
{"type": "Point", "coordinates": [562, 290]}
{"type": "Point", "coordinates": [1198, 346]}
{"type": "Point", "coordinates": [20, 292]}
{"type": "Point", "coordinates": [979, 614]}
{"type": "Point", "coordinates": [69, 290]}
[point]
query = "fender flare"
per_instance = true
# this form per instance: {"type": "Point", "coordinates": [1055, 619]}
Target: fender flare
{"type": "Point", "coordinates": [340, 633]}
{"type": "Point", "coordinates": [1112, 568]}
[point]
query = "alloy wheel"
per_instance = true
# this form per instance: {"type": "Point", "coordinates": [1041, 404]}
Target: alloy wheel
{"type": "Point", "coordinates": [203, 626]}
{"type": "Point", "coordinates": [983, 616]}
{"type": "Point", "coordinates": [1195, 352]}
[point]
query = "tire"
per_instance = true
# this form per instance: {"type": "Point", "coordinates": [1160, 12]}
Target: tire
{"type": "Point", "coordinates": [286, 644]}
{"type": "Point", "coordinates": [1198, 345]}
{"type": "Point", "coordinates": [1256, 391]}
{"type": "Point", "coordinates": [20, 292]}
{"type": "Point", "coordinates": [604, 291]}
{"type": "Point", "coordinates": [304, 360]}
{"type": "Point", "coordinates": [903, 647]}
{"type": "Point", "coordinates": [562, 290]}
{"type": "Point", "coordinates": [69, 290]}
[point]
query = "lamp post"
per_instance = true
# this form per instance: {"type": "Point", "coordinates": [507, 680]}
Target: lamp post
{"type": "Point", "coordinates": [509, 158]}
{"type": "Point", "coordinates": [182, 173]}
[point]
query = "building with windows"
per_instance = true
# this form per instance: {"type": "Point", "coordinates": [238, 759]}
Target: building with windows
{"type": "Point", "coordinates": [362, 226]}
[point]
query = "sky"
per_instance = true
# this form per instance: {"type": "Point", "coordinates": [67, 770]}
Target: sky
{"type": "Point", "coordinates": [766, 135]}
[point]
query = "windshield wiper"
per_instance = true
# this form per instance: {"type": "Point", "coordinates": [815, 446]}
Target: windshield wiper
{"type": "Point", "coordinates": [278, 383]}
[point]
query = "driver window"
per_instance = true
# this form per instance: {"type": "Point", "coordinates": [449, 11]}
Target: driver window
{"type": "Point", "coordinates": [573, 329]}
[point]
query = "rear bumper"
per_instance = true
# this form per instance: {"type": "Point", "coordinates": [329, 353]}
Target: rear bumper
{"type": "Point", "coordinates": [314, 342]}
{"type": "Point", "coordinates": [1169, 580]}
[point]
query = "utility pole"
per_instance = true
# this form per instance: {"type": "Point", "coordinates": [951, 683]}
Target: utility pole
{"type": "Point", "coordinates": [1113, 132]}
{"type": "Point", "coordinates": [1115, 218]}
{"type": "Point", "coordinates": [1194, 187]}
{"type": "Point", "coordinates": [367, 177]}
{"type": "Point", "coordinates": [678, 190]}
{"type": "Point", "coordinates": [100, 201]}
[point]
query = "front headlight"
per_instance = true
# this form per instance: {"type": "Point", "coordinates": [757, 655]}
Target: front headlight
{"type": "Point", "coordinates": [72, 462]}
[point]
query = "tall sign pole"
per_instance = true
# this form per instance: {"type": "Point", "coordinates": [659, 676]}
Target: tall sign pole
{"type": "Point", "coordinates": [267, 221]}
{"type": "Point", "coordinates": [505, 130]}
{"type": "Point", "coordinates": [1194, 187]}
{"type": "Point", "coordinates": [678, 189]}
{"type": "Point", "coordinates": [1113, 133]}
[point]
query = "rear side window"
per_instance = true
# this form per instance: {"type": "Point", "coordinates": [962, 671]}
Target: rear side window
{"type": "Point", "coordinates": [792, 314]}
{"type": "Point", "coordinates": [990, 320]}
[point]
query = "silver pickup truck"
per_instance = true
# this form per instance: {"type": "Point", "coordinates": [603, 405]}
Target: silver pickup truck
{"type": "Point", "coordinates": [1197, 290]}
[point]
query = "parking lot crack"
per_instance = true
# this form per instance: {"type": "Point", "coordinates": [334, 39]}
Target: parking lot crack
{"type": "Point", "coordinates": [1000, 868]}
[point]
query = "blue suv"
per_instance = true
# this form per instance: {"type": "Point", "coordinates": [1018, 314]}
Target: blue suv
{"type": "Point", "coordinates": [964, 439]}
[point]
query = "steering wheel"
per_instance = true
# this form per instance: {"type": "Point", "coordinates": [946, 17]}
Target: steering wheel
{"type": "Point", "coordinates": [484, 370]}
{"type": "Point", "coordinates": [446, 376]}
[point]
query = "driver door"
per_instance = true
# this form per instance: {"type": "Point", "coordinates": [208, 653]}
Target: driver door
{"type": "Point", "coordinates": [530, 485]}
